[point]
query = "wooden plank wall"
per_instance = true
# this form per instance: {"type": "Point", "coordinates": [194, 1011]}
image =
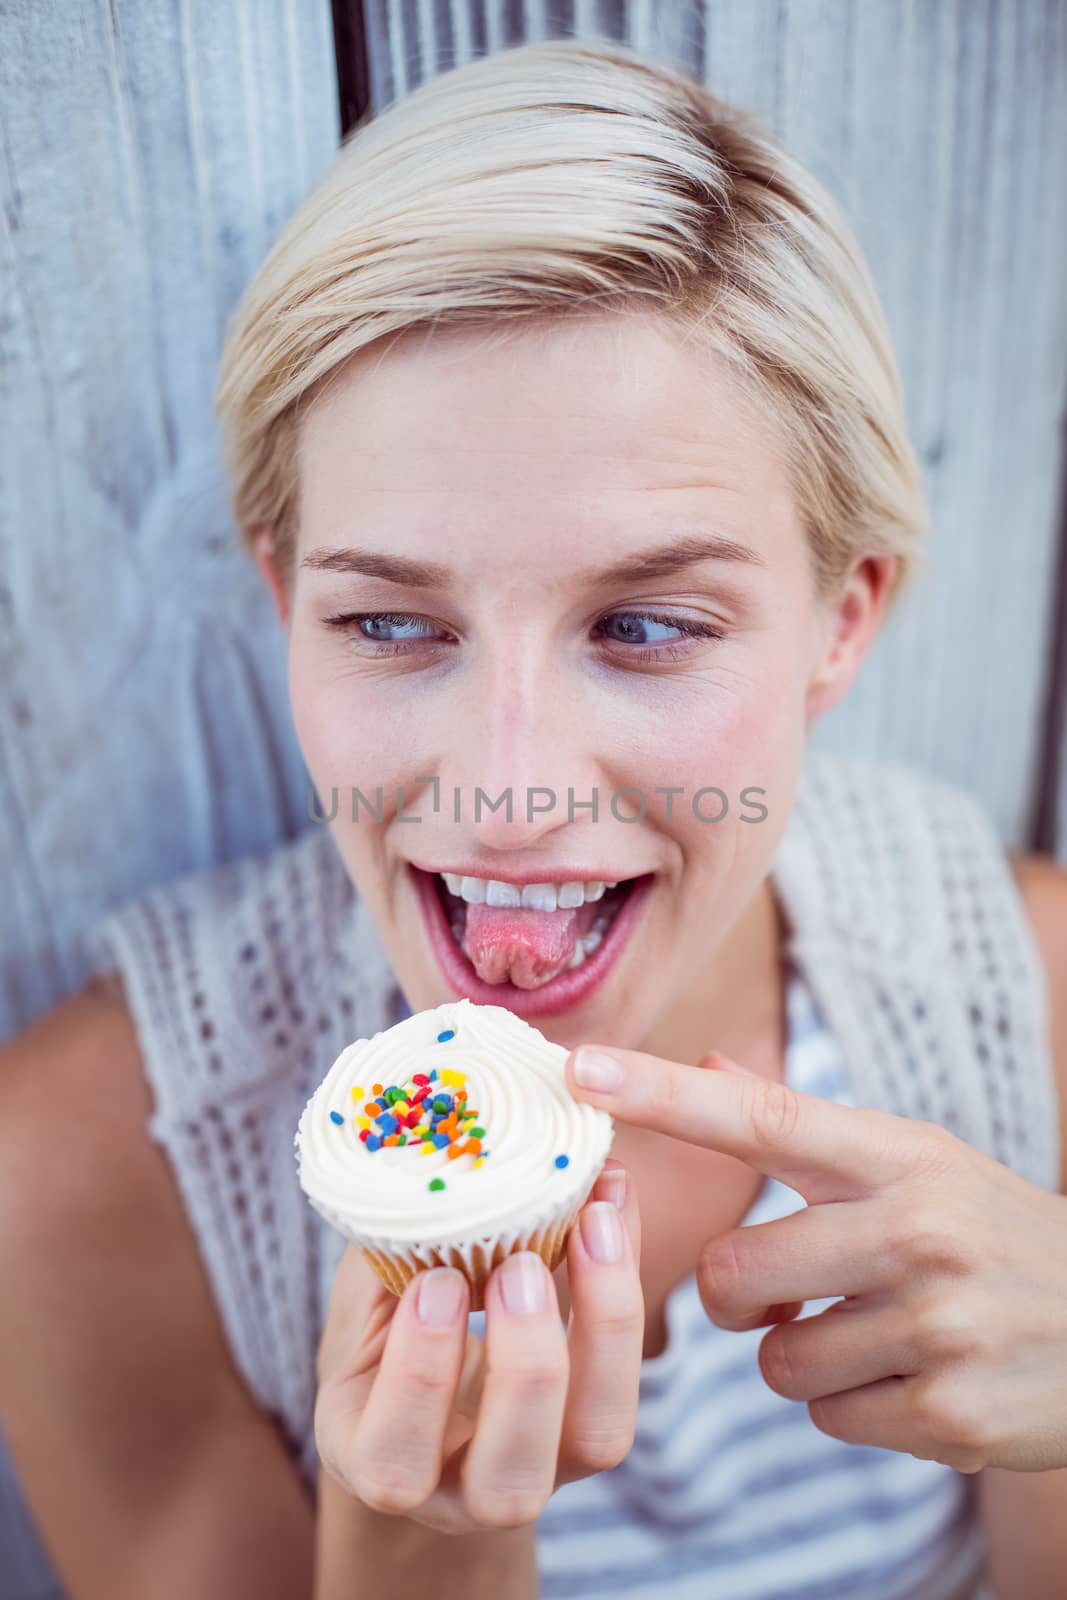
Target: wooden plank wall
{"type": "Point", "coordinates": [153, 148]}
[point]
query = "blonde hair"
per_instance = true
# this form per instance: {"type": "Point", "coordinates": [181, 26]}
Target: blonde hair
{"type": "Point", "coordinates": [574, 176]}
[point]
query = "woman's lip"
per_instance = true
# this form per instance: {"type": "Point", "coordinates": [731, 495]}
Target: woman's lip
{"type": "Point", "coordinates": [561, 993]}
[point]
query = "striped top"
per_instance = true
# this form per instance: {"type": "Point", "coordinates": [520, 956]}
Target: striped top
{"type": "Point", "coordinates": [730, 1489]}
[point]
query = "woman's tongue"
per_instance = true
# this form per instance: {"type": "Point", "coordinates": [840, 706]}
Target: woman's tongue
{"type": "Point", "coordinates": [515, 944]}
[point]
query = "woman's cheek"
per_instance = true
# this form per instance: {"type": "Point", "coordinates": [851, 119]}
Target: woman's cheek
{"type": "Point", "coordinates": [737, 733]}
{"type": "Point", "coordinates": [346, 740]}
{"type": "Point", "coordinates": [747, 741]}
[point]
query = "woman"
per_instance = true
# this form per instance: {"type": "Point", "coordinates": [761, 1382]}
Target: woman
{"type": "Point", "coordinates": [563, 425]}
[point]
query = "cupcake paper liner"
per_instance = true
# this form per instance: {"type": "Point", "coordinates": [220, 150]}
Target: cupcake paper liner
{"type": "Point", "coordinates": [397, 1263]}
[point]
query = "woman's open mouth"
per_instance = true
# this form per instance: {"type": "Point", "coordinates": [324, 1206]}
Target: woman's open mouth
{"type": "Point", "coordinates": [538, 949]}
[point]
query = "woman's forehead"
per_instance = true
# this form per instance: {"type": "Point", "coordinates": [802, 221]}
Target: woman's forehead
{"type": "Point", "coordinates": [614, 418]}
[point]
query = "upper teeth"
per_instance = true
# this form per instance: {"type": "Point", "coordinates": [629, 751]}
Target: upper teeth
{"type": "Point", "coordinates": [538, 896]}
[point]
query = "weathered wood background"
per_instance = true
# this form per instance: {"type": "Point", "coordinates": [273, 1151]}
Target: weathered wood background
{"type": "Point", "coordinates": [152, 149]}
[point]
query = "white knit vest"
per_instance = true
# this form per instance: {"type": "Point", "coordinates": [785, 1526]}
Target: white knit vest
{"type": "Point", "coordinates": [247, 981]}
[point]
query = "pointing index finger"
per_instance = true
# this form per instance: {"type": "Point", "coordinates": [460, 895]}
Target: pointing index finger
{"type": "Point", "coordinates": [823, 1150]}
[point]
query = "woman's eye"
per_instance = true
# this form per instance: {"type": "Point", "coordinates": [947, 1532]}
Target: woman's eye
{"type": "Point", "coordinates": [650, 637]}
{"type": "Point", "coordinates": [386, 632]}
{"type": "Point", "coordinates": [389, 626]}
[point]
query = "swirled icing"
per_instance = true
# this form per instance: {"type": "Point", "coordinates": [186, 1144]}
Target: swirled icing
{"type": "Point", "coordinates": [515, 1079]}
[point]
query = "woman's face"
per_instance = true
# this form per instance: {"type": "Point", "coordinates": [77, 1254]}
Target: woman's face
{"type": "Point", "coordinates": [581, 572]}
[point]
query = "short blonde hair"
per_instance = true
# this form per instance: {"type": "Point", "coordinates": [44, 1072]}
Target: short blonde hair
{"type": "Point", "coordinates": [573, 176]}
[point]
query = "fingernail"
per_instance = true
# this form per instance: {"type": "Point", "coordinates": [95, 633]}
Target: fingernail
{"type": "Point", "coordinates": [593, 1069]}
{"type": "Point", "coordinates": [612, 1186]}
{"type": "Point", "coordinates": [440, 1297]}
{"type": "Point", "coordinates": [522, 1283]}
{"type": "Point", "coordinates": [601, 1228]}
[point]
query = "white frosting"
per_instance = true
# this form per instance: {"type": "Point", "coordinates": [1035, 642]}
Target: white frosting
{"type": "Point", "coordinates": [515, 1081]}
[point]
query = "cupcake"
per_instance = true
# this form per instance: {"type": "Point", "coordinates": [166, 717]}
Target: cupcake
{"type": "Point", "coordinates": [451, 1139]}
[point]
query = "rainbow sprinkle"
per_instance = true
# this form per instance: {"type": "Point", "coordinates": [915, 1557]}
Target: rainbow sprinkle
{"type": "Point", "coordinates": [427, 1111]}
{"type": "Point", "coordinates": [423, 1113]}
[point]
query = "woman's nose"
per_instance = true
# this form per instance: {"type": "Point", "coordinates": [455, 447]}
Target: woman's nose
{"type": "Point", "coordinates": [521, 756]}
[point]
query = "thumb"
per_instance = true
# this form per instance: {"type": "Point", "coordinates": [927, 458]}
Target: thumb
{"type": "Point", "coordinates": [357, 1319]}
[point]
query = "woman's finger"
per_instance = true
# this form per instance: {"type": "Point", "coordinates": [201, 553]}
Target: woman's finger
{"type": "Point", "coordinates": [825, 1150]}
{"type": "Point", "coordinates": [840, 1248]}
{"type": "Point", "coordinates": [844, 1347]}
{"type": "Point", "coordinates": [605, 1337]}
{"type": "Point", "coordinates": [931, 1421]}
{"type": "Point", "coordinates": [395, 1455]}
{"type": "Point", "coordinates": [615, 1184]}
{"type": "Point", "coordinates": [509, 1470]}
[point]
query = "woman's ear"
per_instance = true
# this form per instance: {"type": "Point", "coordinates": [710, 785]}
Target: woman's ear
{"type": "Point", "coordinates": [263, 548]}
{"type": "Point", "coordinates": [853, 620]}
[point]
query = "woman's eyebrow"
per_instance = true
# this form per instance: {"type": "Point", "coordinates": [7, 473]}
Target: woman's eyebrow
{"type": "Point", "coordinates": [377, 564]}
{"type": "Point", "coordinates": [663, 560]}
{"type": "Point", "coordinates": [657, 561]}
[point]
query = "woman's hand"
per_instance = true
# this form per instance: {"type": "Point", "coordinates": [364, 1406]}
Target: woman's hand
{"type": "Point", "coordinates": [951, 1341]}
{"type": "Point", "coordinates": [416, 1417]}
